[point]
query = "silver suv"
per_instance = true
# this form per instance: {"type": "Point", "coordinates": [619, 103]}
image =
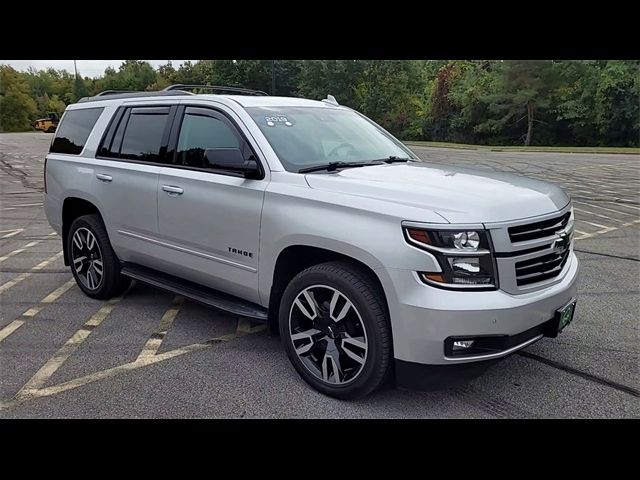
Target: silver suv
{"type": "Point", "coordinates": [311, 217]}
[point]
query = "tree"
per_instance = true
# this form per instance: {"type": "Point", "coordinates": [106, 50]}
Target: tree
{"type": "Point", "coordinates": [391, 93]}
{"type": "Point", "coordinates": [525, 87]}
{"type": "Point", "coordinates": [318, 78]}
{"type": "Point", "coordinates": [17, 108]}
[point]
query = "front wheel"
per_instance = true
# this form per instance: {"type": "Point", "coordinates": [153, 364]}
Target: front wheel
{"type": "Point", "coordinates": [94, 264]}
{"type": "Point", "coordinates": [335, 330]}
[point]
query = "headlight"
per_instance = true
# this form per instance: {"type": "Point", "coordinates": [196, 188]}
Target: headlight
{"type": "Point", "coordinates": [464, 257]}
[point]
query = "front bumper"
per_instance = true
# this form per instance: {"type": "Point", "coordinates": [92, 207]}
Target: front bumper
{"type": "Point", "coordinates": [423, 317]}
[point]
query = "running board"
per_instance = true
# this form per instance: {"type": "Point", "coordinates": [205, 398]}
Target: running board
{"type": "Point", "coordinates": [193, 291]}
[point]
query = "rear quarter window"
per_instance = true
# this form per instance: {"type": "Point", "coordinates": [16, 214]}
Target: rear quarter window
{"type": "Point", "coordinates": [74, 129]}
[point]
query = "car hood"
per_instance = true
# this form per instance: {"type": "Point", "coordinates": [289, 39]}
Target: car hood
{"type": "Point", "coordinates": [459, 194]}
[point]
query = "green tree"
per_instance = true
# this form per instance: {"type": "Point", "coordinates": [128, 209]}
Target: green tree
{"type": "Point", "coordinates": [318, 78]}
{"type": "Point", "coordinates": [525, 90]}
{"type": "Point", "coordinates": [391, 93]}
{"type": "Point", "coordinates": [17, 108]}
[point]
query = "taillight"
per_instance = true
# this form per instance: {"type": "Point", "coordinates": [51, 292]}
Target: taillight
{"type": "Point", "coordinates": [45, 174]}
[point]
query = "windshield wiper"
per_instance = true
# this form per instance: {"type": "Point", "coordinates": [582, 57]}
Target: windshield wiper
{"type": "Point", "coordinates": [332, 166]}
{"type": "Point", "coordinates": [394, 159]}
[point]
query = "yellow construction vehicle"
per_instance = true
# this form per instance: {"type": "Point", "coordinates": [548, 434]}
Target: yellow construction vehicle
{"type": "Point", "coordinates": [48, 124]}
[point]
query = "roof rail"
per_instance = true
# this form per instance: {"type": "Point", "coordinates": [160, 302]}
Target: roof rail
{"type": "Point", "coordinates": [245, 91]}
{"type": "Point", "coordinates": [113, 92]}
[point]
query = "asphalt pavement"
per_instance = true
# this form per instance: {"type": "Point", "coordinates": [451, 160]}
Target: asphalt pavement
{"type": "Point", "coordinates": [65, 355]}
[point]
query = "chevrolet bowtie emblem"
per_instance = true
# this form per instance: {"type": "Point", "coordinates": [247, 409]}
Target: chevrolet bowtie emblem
{"type": "Point", "coordinates": [562, 242]}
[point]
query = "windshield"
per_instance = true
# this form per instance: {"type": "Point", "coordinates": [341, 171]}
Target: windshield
{"type": "Point", "coordinates": [308, 136]}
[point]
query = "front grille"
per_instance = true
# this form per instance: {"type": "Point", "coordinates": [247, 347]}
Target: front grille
{"type": "Point", "coordinates": [541, 268]}
{"type": "Point", "coordinates": [533, 231]}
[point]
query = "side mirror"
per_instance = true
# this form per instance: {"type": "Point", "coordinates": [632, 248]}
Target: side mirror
{"type": "Point", "coordinates": [231, 159]}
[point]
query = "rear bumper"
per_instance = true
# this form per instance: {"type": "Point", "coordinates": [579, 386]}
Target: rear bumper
{"type": "Point", "coordinates": [424, 317]}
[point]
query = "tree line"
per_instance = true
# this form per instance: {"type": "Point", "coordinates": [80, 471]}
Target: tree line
{"type": "Point", "coordinates": [491, 102]}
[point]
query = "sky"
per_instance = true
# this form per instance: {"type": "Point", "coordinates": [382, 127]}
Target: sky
{"type": "Point", "coordinates": [86, 68]}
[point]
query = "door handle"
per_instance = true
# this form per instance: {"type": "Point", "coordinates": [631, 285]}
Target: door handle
{"type": "Point", "coordinates": [173, 191]}
{"type": "Point", "coordinates": [104, 177]}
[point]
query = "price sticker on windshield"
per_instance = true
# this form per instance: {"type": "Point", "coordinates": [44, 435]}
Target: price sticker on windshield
{"type": "Point", "coordinates": [274, 120]}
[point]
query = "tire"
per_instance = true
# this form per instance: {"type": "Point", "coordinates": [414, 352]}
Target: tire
{"type": "Point", "coordinates": [321, 352]}
{"type": "Point", "coordinates": [87, 243]}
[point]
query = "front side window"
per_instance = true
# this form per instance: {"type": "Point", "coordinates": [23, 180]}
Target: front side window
{"type": "Point", "coordinates": [74, 130]}
{"type": "Point", "coordinates": [308, 136]}
{"type": "Point", "coordinates": [198, 133]}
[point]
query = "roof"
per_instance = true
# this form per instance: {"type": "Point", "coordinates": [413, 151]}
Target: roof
{"type": "Point", "coordinates": [269, 101]}
{"type": "Point", "coordinates": [243, 100]}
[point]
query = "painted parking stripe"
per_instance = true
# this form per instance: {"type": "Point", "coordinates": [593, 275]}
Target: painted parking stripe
{"type": "Point", "coordinates": [153, 344]}
{"type": "Point", "coordinates": [603, 228]}
{"type": "Point", "coordinates": [582, 234]}
{"type": "Point", "coordinates": [28, 392]}
{"type": "Point", "coordinates": [12, 233]}
{"type": "Point", "coordinates": [22, 249]}
{"type": "Point", "coordinates": [596, 214]}
{"type": "Point", "coordinates": [61, 356]}
{"type": "Point", "coordinates": [7, 285]}
{"type": "Point", "coordinates": [33, 311]}
{"type": "Point", "coordinates": [604, 208]}
{"type": "Point", "coordinates": [24, 394]}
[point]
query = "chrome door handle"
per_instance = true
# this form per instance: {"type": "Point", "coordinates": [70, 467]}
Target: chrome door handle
{"type": "Point", "coordinates": [172, 190]}
{"type": "Point", "coordinates": [103, 177]}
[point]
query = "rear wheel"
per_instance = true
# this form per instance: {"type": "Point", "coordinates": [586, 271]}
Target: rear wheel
{"type": "Point", "coordinates": [335, 330]}
{"type": "Point", "coordinates": [94, 264]}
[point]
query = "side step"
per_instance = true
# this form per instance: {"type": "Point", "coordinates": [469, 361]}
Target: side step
{"type": "Point", "coordinates": [199, 293]}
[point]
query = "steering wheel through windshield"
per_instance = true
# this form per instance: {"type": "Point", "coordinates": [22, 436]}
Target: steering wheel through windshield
{"type": "Point", "coordinates": [334, 151]}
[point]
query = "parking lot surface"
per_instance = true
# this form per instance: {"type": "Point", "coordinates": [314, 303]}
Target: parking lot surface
{"type": "Point", "coordinates": [151, 354]}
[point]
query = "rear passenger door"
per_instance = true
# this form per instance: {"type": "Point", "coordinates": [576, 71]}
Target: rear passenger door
{"type": "Point", "coordinates": [208, 218]}
{"type": "Point", "coordinates": [130, 155]}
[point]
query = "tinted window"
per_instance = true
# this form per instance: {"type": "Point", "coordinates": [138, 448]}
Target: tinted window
{"type": "Point", "coordinates": [73, 131]}
{"type": "Point", "coordinates": [199, 132]}
{"type": "Point", "coordinates": [143, 134]}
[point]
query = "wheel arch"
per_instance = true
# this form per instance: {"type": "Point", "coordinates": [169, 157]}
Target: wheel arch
{"type": "Point", "coordinates": [72, 208]}
{"type": "Point", "coordinates": [293, 259]}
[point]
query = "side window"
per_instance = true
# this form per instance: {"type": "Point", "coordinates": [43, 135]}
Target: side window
{"type": "Point", "coordinates": [143, 134]}
{"type": "Point", "coordinates": [200, 131]}
{"type": "Point", "coordinates": [74, 130]}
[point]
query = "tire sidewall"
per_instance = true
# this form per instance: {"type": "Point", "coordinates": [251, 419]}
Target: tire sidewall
{"type": "Point", "coordinates": [362, 384]}
{"type": "Point", "coordinates": [109, 262]}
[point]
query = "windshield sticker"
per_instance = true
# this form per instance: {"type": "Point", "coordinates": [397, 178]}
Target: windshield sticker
{"type": "Point", "coordinates": [273, 120]}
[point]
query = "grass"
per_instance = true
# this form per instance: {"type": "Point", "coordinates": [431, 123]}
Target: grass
{"type": "Point", "coordinates": [510, 148]}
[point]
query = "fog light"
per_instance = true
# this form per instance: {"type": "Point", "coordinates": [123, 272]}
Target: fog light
{"type": "Point", "coordinates": [462, 344]}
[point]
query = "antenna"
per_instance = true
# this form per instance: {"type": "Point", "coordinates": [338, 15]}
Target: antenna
{"type": "Point", "coordinates": [331, 100]}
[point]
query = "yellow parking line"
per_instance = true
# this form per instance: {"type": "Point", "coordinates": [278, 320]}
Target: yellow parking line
{"type": "Point", "coordinates": [603, 228]}
{"type": "Point", "coordinates": [12, 233]}
{"type": "Point", "coordinates": [22, 276]}
{"type": "Point", "coordinates": [596, 214]}
{"type": "Point", "coordinates": [244, 327]}
{"type": "Point", "coordinates": [19, 250]}
{"type": "Point", "coordinates": [61, 356]}
{"type": "Point", "coordinates": [153, 344]}
{"type": "Point", "coordinates": [33, 388]}
{"type": "Point", "coordinates": [25, 395]}
{"type": "Point", "coordinates": [604, 208]}
{"type": "Point", "coordinates": [33, 311]}
{"type": "Point", "coordinates": [22, 249]}
{"type": "Point", "coordinates": [633, 222]}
